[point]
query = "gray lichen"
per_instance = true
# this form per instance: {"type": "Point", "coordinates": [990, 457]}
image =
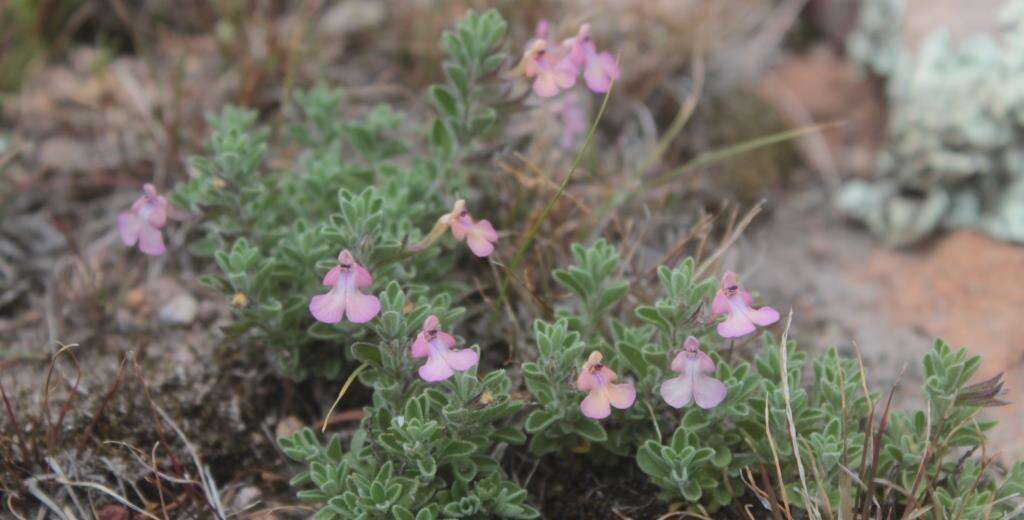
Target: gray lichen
{"type": "Point", "coordinates": [954, 155]}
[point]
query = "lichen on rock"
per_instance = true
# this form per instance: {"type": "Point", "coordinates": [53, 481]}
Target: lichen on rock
{"type": "Point", "coordinates": [954, 156]}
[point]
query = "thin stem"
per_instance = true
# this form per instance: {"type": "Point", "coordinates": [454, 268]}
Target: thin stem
{"type": "Point", "coordinates": [341, 393]}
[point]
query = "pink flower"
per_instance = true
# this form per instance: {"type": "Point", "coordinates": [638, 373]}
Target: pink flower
{"type": "Point", "coordinates": [596, 379]}
{"type": "Point", "coordinates": [731, 299]}
{"type": "Point", "coordinates": [347, 280]}
{"type": "Point", "coordinates": [480, 236]}
{"type": "Point", "coordinates": [599, 69]}
{"type": "Point", "coordinates": [694, 381]}
{"type": "Point", "coordinates": [143, 221]}
{"type": "Point", "coordinates": [551, 73]}
{"type": "Point", "coordinates": [543, 30]}
{"type": "Point", "coordinates": [574, 119]}
{"type": "Point", "coordinates": [442, 360]}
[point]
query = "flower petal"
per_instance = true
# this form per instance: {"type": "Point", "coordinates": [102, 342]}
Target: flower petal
{"type": "Point", "coordinates": [679, 362]}
{"type": "Point", "coordinates": [462, 359]}
{"type": "Point", "coordinates": [705, 364]}
{"type": "Point", "coordinates": [420, 347]}
{"type": "Point", "coordinates": [735, 326]}
{"type": "Point", "coordinates": [435, 369]}
{"type": "Point", "coordinates": [129, 226]}
{"type": "Point", "coordinates": [361, 308]}
{"type": "Point", "coordinates": [479, 245]}
{"type": "Point", "coordinates": [596, 406]}
{"type": "Point", "coordinates": [362, 277]}
{"type": "Point", "coordinates": [621, 396]}
{"type": "Point", "coordinates": [708, 392]}
{"type": "Point", "coordinates": [332, 276]}
{"type": "Point", "coordinates": [446, 339]}
{"type": "Point", "coordinates": [599, 72]}
{"type": "Point", "coordinates": [764, 316]}
{"type": "Point", "coordinates": [677, 391]}
{"type": "Point", "coordinates": [151, 240]}
{"type": "Point", "coordinates": [585, 381]}
{"type": "Point", "coordinates": [328, 308]}
{"type": "Point", "coordinates": [544, 86]}
{"type": "Point", "coordinates": [720, 305]}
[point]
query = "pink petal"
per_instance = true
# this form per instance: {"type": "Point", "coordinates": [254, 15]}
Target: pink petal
{"type": "Point", "coordinates": [621, 396]}
{"type": "Point", "coordinates": [460, 227]}
{"type": "Point", "coordinates": [764, 316]}
{"type": "Point", "coordinates": [677, 391]}
{"type": "Point", "coordinates": [157, 214]}
{"type": "Point", "coordinates": [332, 276]}
{"type": "Point", "coordinates": [705, 364]}
{"type": "Point", "coordinates": [361, 308]}
{"type": "Point", "coordinates": [607, 374]}
{"type": "Point", "coordinates": [479, 245]}
{"type": "Point", "coordinates": [328, 308]}
{"type": "Point", "coordinates": [595, 405]}
{"type": "Point", "coordinates": [679, 362]}
{"type": "Point", "coordinates": [151, 240]}
{"type": "Point", "coordinates": [600, 71]}
{"type": "Point", "coordinates": [462, 359]}
{"type": "Point", "coordinates": [708, 392]}
{"type": "Point", "coordinates": [565, 74]}
{"type": "Point", "coordinates": [129, 226]}
{"type": "Point", "coordinates": [420, 348]}
{"type": "Point", "coordinates": [446, 339]}
{"type": "Point", "coordinates": [435, 369]}
{"type": "Point", "coordinates": [486, 230]}
{"type": "Point", "coordinates": [735, 326]}
{"type": "Point", "coordinates": [544, 86]}
{"type": "Point", "coordinates": [363, 278]}
{"type": "Point", "coordinates": [746, 298]}
{"type": "Point", "coordinates": [720, 305]}
{"type": "Point", "coordinates": [585, 381]}
{"type": "Point", "coordinates": [728, 280]}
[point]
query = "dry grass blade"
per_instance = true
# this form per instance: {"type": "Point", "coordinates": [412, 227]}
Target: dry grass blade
{"type": "Point", "coordinates": [714, 156]}
{"type": "Point", "coordinates": [206, 479]}
{"type": "Point", "coordinates": [812, 508]}
{"type": "Point", "coordinates": [109, 492]}
{"type": "Point", "coordinates": [734, 235]}
{"type": "Point", "coordinates": [341, 393]}
{"type": "Point", "coordinates": [775, 458]}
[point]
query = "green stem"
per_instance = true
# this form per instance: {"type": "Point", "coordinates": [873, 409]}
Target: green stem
{"type": "Point", "coordinates": [517, 259]}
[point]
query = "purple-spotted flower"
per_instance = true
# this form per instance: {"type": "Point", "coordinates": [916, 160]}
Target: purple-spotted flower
{"type": "Point", "coordinates": [551, 68]}
{"type": "Point", "coordinates": [442, 359]}
{"type": "Point", "coordinates": [480, 235]}
{"type": "Point", "coordinates": [142, 223]}
{"type": "Point", "coordinates": [694, 382]}
{"type": "Point", "coordinates": [347, 280]}
{"type": "Point", "coordinates": [599, 68]}
{"type": "Point", "coordinates": [596, 379]}
{"type": "Point", "coordinates": [742, 318]}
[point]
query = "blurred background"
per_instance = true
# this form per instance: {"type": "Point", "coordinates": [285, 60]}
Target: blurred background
{"type": "Point", "coordinates": [897, 221]}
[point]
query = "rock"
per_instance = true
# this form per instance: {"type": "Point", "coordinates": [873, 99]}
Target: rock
{"type": "Point", "coordinates": [288, 426]}
{"type": "Point", "coordinates": [180, 310]}
{"type": "Point", "coordinates": [352, 16]}
{"type": "Point", "coordinates": [246, 498]}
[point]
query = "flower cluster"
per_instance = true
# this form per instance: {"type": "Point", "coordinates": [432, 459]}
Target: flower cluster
{"type": "Point", "coordinates": [695, 382]}
{"type": "Point", "coordinates": [554, 67]}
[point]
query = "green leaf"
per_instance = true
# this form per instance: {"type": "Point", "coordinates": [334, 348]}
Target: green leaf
{"type": "Point", "coordinates": [539, 420]}
{"type": "Point", "coordinates": [444, 101]}
{"type": "Point", "coordinates": [590, 430]}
